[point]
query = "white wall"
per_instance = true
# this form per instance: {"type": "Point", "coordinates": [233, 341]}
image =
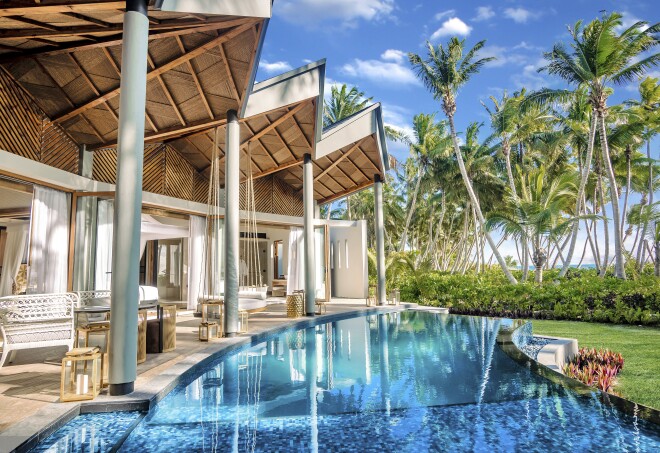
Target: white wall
{"type": "Point", "coordinates": [275, 234]}
{"type": "Point", "coordinates": [350, 281]}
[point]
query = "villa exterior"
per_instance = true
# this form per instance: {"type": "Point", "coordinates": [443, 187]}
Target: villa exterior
{"type": "Point", "coordinates": [106, 148]}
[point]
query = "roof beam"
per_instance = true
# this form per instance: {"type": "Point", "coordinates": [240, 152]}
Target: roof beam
{"type": "Point", "coordinates": [277, 169]}
{"type": "Point", "coordinates": [157, 71]}
{"type": "Point", "coordinates": [346, 192]}
{"type": "Point", "coordinates": [34, 23]}
{"type": "Point", "coordinates": [62, 6]}
{"type": "Point", "coordinates": [198, 84]}
{"type": "Point", "coordinates": [166, 90]}
{"type": "Point", "coordinates": [89, 19]}
{"type": "Point", "coordinates": [115, 39]}
{"type": "Point", "coordinates": [337, 162]}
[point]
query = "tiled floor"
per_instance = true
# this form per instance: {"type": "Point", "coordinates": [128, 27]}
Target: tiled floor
{"type": "Point", "coordinates": [31, 382]}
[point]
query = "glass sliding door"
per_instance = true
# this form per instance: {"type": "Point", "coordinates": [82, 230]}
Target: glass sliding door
{"type": "Point", "coordinates": [322, 252]}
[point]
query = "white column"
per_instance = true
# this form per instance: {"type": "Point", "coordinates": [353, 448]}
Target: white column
{"type": "Point", "coordinates": [380, 240]}
{"type": "Point", "coordinates": [128, 200]}
{"type": "Point", "coordinates": [308, 225]}
{"type": "Point", "coordinates": [232, 222]}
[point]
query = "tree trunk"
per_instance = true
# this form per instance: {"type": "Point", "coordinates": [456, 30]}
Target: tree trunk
{"type": "Point", "coordinates": [583, 184]}
{"type": "Point", "coordinates": [606, 228]}
{"type": "Point", "coordinates": [625, 198]}
{"type": "Point", "coordinates": [619, 267]}
{"type": "Point", "coordinates": [657, 258]}
{"type": "Point", "coordinates": [475, 202]}
{"type": "Point", "coordinates": [404, 234]}
{"type": "Point", "coordinates": [640, 265]}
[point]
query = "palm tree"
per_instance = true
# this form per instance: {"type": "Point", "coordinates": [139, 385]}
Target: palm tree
{"type": "Point", "coordinates": [445, 70]}
{"type": "Point", "coordinates": [539, 214]}
{"type": "Point", "coordinates": [648, 111]}
{"type": "Point", "coordinates": [343, 103]}
{"type": "Point", "coordinates": [601, 56]}
{"type": "Point", "coordinates": [430, 140]}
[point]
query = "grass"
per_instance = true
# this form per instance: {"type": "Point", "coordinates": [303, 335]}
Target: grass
{"type": "Point", "coordinates": [640, 346]}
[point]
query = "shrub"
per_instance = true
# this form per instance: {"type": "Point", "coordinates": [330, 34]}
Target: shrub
{"type": "Point", "coordinates": [596, 368]}
{"type": "Point", "coordinates": [581, 296]}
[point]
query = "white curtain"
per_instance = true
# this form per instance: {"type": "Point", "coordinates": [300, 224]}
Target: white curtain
{"type": "Point", "coordinates": [49, 244]}
{"type": "Point", "coordinates": [105, 214]}
{"type": "Point", "coordinates": [296, 276]}
{"type": "Point", "coordinates": [17, 235]}
{"type": "Point", "coordinates": [196, 261]}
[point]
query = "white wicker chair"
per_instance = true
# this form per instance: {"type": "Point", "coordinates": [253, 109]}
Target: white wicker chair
{"type": "Point", "coordinates": [36, 321]}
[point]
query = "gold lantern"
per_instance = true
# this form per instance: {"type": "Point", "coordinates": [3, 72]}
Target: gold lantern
{"type": "Point", "coordinates": [81, 374]}
{"type": "Point", "coordinates": [243, 316]}
{"type": "Point", "coordinates": [208, 331]}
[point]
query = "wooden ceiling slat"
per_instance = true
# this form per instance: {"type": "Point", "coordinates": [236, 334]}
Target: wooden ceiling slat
{"type": "Point", "coordinates": [337, 162]}
{"type": "Point", "coordinates": [198, 84]}
{"type": "Point", "coordinates": [345, 193]}
{"type": "Point", "coordinates": [156, 72]}
{"type": "Point", "coordinates": [36, 23]}
{"type": "Point", "coordinates": [166, 90]}
{"type": "Point", "coordinates": [20, 8]}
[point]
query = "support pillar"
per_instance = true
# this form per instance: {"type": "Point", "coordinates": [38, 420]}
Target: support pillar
{"type": "Point", "coordinates": [380, 240]}
{"type": "Point", "coordinates": [232, 222]}
{"type": "Point", "coordinates": [310, 262]}
{"type": "Point", "coordinates": [128, 200]}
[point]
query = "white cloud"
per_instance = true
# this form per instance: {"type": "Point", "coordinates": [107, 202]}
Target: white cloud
{"type": "Point", "coordinates": [503, 56]}
{"type": "Point", "coordinates": [452, 27]}
{"type": "Point", "coordinates": [397, 56]}
{"type": "Point", "coordinates": [400, 119]}
{"type": "Point", "coordinates": [275, 67]}
{"type": "Point", "coordinates": [530, 77]}
{"type": "Point", "coordinates": [520, 15]}
{"type": "Point", "coordinates": [524, 45]}
{"type": "Point", "coordinates": [484, 13]}
{"type": "Point", "coordinates": [381, 72]}
{"type": "Point", "coordinates": [449, 13]}
{"type": "Point", "coordinates": [348, 12]}
{"type": "Point", "coordinates": [627, 21]}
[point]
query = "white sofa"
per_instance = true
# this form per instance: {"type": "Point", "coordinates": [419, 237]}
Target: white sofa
{"type": "Point", "coordinates": [36, 321]}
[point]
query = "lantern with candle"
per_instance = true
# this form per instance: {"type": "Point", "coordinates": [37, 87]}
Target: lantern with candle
{"type": "Point", "coordinates": [208, 331]}
{"type": "Point", "coordinates": [81, 374]}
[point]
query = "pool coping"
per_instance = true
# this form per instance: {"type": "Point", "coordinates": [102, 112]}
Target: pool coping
{"type": "Point", "coordinates": [27, 433]}
{"type": "Point", "coordinates": [505, 342]}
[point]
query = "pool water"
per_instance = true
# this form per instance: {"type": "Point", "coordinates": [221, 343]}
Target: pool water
{"type": "Point", "coordinates": [408, 381]}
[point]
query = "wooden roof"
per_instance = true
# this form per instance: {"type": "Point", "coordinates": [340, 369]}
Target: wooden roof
{"type": "Point", "coordinates": [66, 55]}
{"type": "Point", "coordinates": [68, 58]}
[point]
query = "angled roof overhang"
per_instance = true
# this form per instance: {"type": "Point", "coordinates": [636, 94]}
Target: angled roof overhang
{"type": "Point", "coordinates": [281, 121]}
{"type": "Point", "coordinates": [245, 8]}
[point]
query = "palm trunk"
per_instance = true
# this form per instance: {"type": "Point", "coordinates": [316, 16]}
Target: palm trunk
{"type": "Point", "coordinates": [625, 198]}
{"type": "Point", "coordinates": [475, 202]}
{"type": "Point", "coordinates": [507, 156]}
{"type": "Point", "coordinates": [657, 258]}
{"type": "Point", "coordinates": [586, 168]}
{"type": "Point", "coordinates": [525, 259]}
{"type": "Point", "coordinates": [646, 223]}
{"type": "Point", "coordinates": [620, 270]}
{"type": "Point", "coordinates": [606, 228]}
{"type": "Point", "coordinates": [329, 213]}
{"type": "Point", "coordinates": [404, 234]}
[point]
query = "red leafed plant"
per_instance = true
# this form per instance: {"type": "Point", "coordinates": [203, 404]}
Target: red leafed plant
{"type": "Point", "coordinates": [595, 367]}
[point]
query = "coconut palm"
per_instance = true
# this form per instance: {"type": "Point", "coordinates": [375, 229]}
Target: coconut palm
{"type": "Point", "coordinates": [443, 72]}
{"type": "Point", "coordinates": [429, 142]}
{"type": "Point", "coordinates": [343, 102]}
{"type": "Point", "coordinates": [540, 214]}
{"type": "Point", "coordinates": [647, 108]}
{"type": "Point", "coordinates": [601, 56]}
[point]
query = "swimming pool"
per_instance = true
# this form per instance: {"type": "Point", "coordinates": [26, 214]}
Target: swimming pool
{"type": "Point", "coordinates": [407, 381]}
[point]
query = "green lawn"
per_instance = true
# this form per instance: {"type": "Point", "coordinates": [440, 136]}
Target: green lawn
{"type": "Point", "coordinates": [640, 346]}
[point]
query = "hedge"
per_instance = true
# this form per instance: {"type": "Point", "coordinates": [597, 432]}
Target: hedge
{"type": "Point", "coordinates": [581, 296]}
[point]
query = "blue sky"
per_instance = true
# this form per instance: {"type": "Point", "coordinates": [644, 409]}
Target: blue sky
{"type": "Point", "coordinates": [366, 41]}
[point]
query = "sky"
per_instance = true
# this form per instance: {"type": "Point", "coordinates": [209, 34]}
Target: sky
{"type": "Point", "coordinates": [366, 43]}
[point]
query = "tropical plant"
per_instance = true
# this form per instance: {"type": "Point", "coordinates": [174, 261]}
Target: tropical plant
{"type": "Point", "coordinates": [443, 72]}
{"type": "Point", "coordinates": [601, 56]}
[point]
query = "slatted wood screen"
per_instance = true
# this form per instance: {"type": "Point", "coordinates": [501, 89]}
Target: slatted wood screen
{"type": "Point", "coordinates": [25, 130]}
{"type": "Point", "coordinates": [274, 196]}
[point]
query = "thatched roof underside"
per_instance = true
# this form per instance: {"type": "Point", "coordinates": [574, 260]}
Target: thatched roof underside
{"type": "Point", "coordinates": [67, 57]}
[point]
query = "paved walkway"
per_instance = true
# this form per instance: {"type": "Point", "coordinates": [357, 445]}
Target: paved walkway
{"type": "Point", "coordinates": [29, 387]}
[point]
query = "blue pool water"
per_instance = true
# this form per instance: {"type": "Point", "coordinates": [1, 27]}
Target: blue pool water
{"type": "Point", "coordinates": [405, 382]}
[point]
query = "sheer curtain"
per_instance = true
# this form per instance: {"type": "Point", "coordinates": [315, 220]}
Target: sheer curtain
{"type": "Point", "coordinates": [105, 213]}
{"type": "Point", "coordinates": [14, 250]}
{"type": "Point", "coordinates": [196, 261]}
{"type": "Point", "coordinates": [295, 278]}
{"type": "Point", "coordinates": [49, 241]}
